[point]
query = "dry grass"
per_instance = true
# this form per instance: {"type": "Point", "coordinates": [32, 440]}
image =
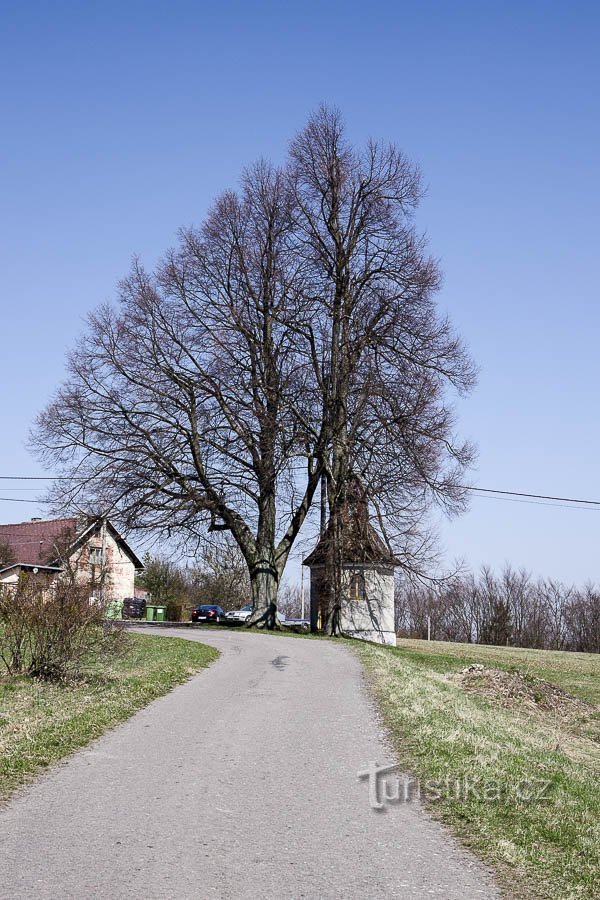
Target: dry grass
{"type": "Point", "coordinates": [42, 722]}
{"type": "Point", "coordinates": [577, 673]}
{"type": "Point", "coordinates": [499, 732]}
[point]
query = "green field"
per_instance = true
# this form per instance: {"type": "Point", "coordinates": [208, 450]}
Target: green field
{"type": "Point", "coordinates": [41, 722]}
{"type": "Point", "coordinates": [528, 753]}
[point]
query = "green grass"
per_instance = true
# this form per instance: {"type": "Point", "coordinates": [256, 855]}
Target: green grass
{"type": "Point", "coordinates": [540, 847]}
{"type": "Point", "coordinates": [41, 723]}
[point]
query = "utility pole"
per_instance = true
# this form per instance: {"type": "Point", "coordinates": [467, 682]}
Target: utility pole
{"type": "Point", "coordinates": [323, 504]}
{"type": "Point", "coordinates": [302, 587]}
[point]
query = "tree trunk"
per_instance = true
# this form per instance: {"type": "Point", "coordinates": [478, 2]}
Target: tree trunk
{"type": "Point", "coordinates": [264, 583]}
{"type": "Point", "coordinates": [334, 578]}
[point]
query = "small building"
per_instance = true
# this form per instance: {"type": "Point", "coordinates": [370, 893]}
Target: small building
{"type": "Point", "coordinates": [88, 549]}
{"type": "Point", "coordinates": [367, 576]}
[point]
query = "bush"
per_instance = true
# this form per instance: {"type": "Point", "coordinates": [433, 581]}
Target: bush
{"type": "Point", "coordinates": [174, 611]}
{"type": "Point", "coordinates": [48, 630]}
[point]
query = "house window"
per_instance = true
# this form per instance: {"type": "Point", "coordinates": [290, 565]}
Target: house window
{"type": "Point", "coordinates": [95, 556]}
{"type": "Point", "coordinates": [358, 589]}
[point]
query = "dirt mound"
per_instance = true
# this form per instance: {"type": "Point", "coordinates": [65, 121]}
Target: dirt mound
{"type": "Point", "coordinates": [519, 688]}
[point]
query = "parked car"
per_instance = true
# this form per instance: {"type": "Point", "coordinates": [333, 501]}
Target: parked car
{"type": "Point", "coordinates": [207, 612]}
{"type": "Point", "coordinates": [301, 624]}
{"type": "Point", "coordinates": [243, 614]}
{"type": "Point", "coordinates": [133, 608]}
{"type": "Point", "coordinates": [240, 615]}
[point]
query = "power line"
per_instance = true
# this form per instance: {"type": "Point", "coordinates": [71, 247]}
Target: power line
{"type": "Point", "coordinates": [464, 487]}
{"type": "Point", "coordinates": [531, 496]}
{"type": "Point", "coordinates": [34, 478]}
{"type": "Point", "coordinates": [21, 500]}
{"type": "Point", "coordinates": [511, 499]}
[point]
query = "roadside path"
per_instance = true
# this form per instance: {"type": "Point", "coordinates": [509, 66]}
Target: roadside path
{"type": "Point", "coordinates": [241, 783]}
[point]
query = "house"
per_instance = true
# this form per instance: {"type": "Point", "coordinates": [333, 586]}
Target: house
{"type": "Point", "coordinates": [86, 549]}
{"type": "Point", "coordinates": [367, 576]}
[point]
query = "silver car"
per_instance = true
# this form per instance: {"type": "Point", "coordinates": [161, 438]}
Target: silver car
{"type": "Point", "coordinates": [240, 615]}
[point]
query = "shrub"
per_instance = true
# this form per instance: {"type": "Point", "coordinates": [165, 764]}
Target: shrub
{"type": "Point", "coordinates": [48, 630]}
{"type": "Point", "coordinates": [174, 611]}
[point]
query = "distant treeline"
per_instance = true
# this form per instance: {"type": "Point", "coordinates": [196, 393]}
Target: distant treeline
{"type": "Point", "coordinates": [511, 609]}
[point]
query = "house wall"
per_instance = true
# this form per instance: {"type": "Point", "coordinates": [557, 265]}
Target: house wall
{"type": "Point", "coordinates": [11, 577]}
{"type": "Point", "coordinates": [371, 618]}
{"type": "Point", "coordinates": [86, 569]}
{"type": "Point", "coordinates": [120, 571]}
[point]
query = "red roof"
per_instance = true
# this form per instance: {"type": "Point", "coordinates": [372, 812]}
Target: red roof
{"type": "Point", "coordinates": [38, 543]}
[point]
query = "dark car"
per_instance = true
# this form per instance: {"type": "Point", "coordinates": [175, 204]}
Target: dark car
{"type": "Point", "coordinates": [133, 608]}
{"type": "Point", "coordinates": [207, 612]}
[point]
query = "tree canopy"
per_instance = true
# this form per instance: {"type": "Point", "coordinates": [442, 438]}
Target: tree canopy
{"type": "Point", "coordinates": [292, 336]}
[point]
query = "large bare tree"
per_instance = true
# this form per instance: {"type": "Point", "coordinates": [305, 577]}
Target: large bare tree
{"type": "Point", "coordinates": [293, 335]}
{"type": "Point", "coordinates": [184, 408]}
{"type": "Point", "coordinates": [384, 358]}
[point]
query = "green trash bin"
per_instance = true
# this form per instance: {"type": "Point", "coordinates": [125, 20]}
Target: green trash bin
{"type": "Point", "coordinates": [160, 613]}
{"type": "Point", "coordinates": [150, 612]}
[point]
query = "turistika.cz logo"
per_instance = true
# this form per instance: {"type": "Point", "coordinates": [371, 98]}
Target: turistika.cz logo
{"type": "Point", "coordinates": [387, 789]}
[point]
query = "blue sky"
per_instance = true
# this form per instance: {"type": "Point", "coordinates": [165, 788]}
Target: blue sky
{"type": "Point", "coordinates": [121, 121]}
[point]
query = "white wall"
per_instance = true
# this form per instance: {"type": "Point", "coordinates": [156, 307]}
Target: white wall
{"type": "Point", "coordinates": [371, 619]}
{"type": "Point", "coordinates": [11, 577]}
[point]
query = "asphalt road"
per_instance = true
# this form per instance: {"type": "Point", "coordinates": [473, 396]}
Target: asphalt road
{"type": "Point", "coordinates": [241, 783]}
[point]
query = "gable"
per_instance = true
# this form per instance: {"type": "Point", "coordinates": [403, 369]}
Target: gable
{"type": "Point", "coordinates": [94, 531]}
{"type": "Point", "coordinates": [43, 542]}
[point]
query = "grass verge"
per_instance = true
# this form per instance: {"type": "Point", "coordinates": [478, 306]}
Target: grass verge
{"type": "Point", "coordinates": [534, 807]}
{"type": "Point", "coordinates": [41, 723]}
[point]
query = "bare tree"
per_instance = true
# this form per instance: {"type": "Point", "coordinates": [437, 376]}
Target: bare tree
{"type": "Point", "coordinates": [582, 616]}
{"type": "Point", "coordinates": [290, 601]}
{"type": "Point", "coordinates": [514, 590]}
{"type": "Point", "coordinates": [509, 608]}
{"type": "Point", "coordinates": [382, 356]}
{"type": "Point", "coordinates": [181, 410]}
{"type": "Point", "coordinates": [221, 575]}
{"type": "Point", "coordinates": [293, 334]}
{"type": "Point", "coordinates": [166, 582]}
{"type": "Point", "coordinates": [7, 556]}
{"type": "Point", "coordinates": [556, 599]}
